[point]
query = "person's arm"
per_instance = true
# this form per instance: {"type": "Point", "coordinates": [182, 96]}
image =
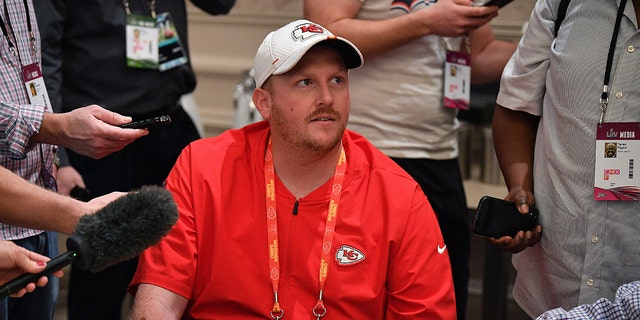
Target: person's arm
{"type": "Point", "coordinates": [153, 302]}
{"type": "Point", "coordinates": [16, 260]}
{"type": "Point", "coordinates": [91, 131]}
{"type": "Point", "coordinates": [444, 18]}
{"type": "Point", "coordinates": [514, 137]}
{"type": "Point", "coordinates": [488, 55]}
{"type": "Point", "coordinates": [215, 7]}
{"type": "Point", "coordinates": [47, 209]}
{"type": "Point", "coordinates": [51, 16]}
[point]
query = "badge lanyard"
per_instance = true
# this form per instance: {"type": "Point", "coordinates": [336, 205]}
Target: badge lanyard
{"type": "Point", "coordinates": [141, 38]}
{"type": "Point", "coordinates": [31, 74]}
{"type": "Point", "coordinates": [617, 143]}
{"type": "Point", "coordinates": [604, 97]}
{"type": "Point", "coordinates": [152, 7]}
{"type": "Point", "coordinates": [272, 230]}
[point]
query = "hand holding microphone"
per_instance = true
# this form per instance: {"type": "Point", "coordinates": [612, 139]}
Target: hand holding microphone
{"type": "Point", "coordinates": [118, 232]}
{"type": "Point", "coordinates": [16, 260]}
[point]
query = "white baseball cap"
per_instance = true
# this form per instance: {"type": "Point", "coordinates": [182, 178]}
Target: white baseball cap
{"type": "Point", "coordinates": [281, 50]}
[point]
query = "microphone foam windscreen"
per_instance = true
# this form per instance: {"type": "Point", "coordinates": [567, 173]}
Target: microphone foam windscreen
{"type": "Point", "coordinates": [123, 229]}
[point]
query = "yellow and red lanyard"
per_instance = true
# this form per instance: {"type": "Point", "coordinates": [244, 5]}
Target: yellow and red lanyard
{"type": "Point", "coordinates": [272, 230]}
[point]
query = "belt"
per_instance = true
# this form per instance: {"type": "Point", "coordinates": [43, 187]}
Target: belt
{"type": "Point", "coordinates": [170, 110]}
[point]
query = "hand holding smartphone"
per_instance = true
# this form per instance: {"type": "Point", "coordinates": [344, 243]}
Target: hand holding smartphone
{"type": "Point", "coordinates": [497, 218]}
{"type": "Point", "coordinates": [147, 123]}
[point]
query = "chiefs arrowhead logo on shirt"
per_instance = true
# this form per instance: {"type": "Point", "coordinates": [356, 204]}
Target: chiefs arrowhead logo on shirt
{"type": "Point", "coordinates": [347, 255]}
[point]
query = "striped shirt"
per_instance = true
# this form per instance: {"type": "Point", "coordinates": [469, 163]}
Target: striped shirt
{"type": "Point", "coordinates": [19, 120]}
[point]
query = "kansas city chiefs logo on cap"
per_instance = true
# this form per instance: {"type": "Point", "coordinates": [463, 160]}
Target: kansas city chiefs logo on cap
{"type": "Point", "coordinates": [305, 31]}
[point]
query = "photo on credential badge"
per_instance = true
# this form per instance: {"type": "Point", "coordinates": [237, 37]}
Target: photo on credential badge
{"type": "Point", "coordinates": [610, 149]}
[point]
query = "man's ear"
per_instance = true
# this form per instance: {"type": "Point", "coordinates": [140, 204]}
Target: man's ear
{"type": "Point", "coordinates": [262, 100]}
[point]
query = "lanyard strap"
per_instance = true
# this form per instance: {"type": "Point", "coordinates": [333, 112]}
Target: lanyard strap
{"type": "Point", "coordinates": [604, 97]}
{"type": "Point", "coordinates": [152, 7]}
{"type": "Point", "coordinates": [3, 26]}
{"type": "Point", "coordinates": [272, 230]}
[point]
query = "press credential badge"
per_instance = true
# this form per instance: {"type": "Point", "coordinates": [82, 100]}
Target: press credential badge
{"type": "Point", "coordinates": [34, 83]}
{"type": "Point", "coordinates": [617, 145]}
{"type": "Point", "coordinates": [142, 42]}
{"type": "Point", "coordinates": [457, 73]}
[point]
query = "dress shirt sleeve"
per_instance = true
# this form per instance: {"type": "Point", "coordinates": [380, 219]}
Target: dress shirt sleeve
{"type": "Point", "coordinates": [625, 306]}
{"type": "Point", "coordinates": [522, 86]}
{"type": "Point", "coordinates": [17, 124]}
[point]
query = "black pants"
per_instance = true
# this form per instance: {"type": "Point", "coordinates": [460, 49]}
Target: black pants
{"type": "Point", "coordinates": [441, 181]}
{"type": "Point", "coordinates": [146, 161]}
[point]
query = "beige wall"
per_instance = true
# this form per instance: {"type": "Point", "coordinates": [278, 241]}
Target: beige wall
{"type": "Point", "coordinates": [222, 47]}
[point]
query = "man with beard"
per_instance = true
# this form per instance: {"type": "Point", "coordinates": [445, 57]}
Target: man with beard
{"type": "Point", "coordinates": [295, 214]}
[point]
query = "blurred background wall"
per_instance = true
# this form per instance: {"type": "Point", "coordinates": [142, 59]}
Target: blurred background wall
{"type": "Point", "coordinates": [222, 48]}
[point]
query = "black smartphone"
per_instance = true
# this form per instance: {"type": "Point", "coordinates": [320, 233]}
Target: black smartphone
{"type": "Point", "coordinates": [499, 3]}
{"type": "Point", "coordinates": [147, 123]}
{"type": "Point", "coordinates": [81, 194]}
{"type": "Point", "coordinates": [497, 218]}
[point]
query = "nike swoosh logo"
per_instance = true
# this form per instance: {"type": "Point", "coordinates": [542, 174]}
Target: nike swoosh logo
{"type": "Point", "coordinates": [441, 249]}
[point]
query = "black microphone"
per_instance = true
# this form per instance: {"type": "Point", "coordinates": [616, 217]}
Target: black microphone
{"type": "Point", "coordinates": [118, 232]}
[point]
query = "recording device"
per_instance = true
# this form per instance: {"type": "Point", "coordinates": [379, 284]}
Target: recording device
{"type": "Point", "coordinates": [499, 3]}
{"type": "Point", "coordinates": [497, 218]}
{"type": "Point", "coordinates": [147, 123]}
{"type": "Point", "coordinates": [118, 232]}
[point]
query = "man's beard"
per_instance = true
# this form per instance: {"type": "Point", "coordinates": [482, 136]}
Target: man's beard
{"type": "Point", "coordinates": [298, 138]}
